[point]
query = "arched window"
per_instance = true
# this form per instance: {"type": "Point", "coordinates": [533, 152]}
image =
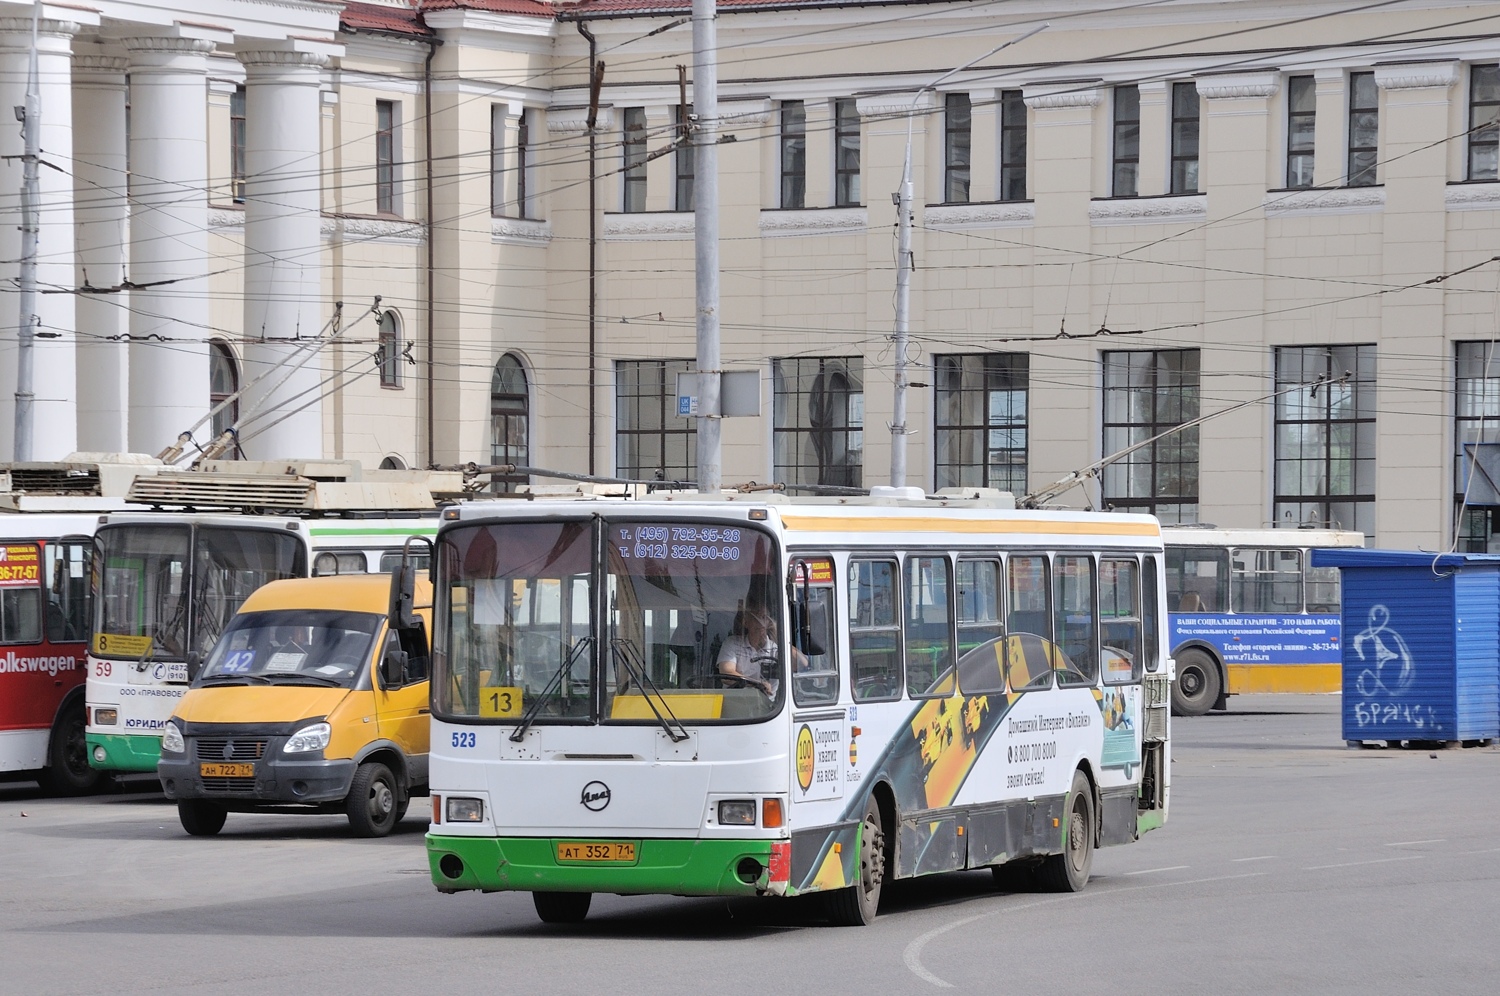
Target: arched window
{"type": "Point", "coordinates": [509, 421]}
{"type": "Point", "coordinates": [223, 381]}
{"type": "Point", "coordinates": [390, 349]}
{"type": "Point", "coordinates": [392, 463]}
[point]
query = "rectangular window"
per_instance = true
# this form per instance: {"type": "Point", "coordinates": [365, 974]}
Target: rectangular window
{"type": "Point", "coordinates": [1364, 129]}
{"type": "Point", "coordinates": [1325, 437]}
{"type": "Point", "coordinates": [1073, 620]}
{"type": "Point", "coordinates": [1197, 579]}
{"type": "Point", "coordinates": [1150, 616]}
{"type": "Point", "coordinates": [653, 442]}
{"type": "Point", "coordinates": [682, 159]}
{"type": "Point", "coordinates": [1147, 392]}
{"type": "Point", "coordinates": [66, 574]}
{"type": "Point", "coordinates": [929, 626]}
{"type": "Point", "coordinates": [818, 434]}
{"type": "Point", "coordinates": [237, 144]}
{"type": "Point", "coordinates": [793, 154]}
{"type": "Point", "coordinates": [497, 160]}
{"type": "Point", "coordinates": [978, 600]}
{"type": "Point", "coordinates": [635, 159]}
{"type": "Point", "coordinates": [1120, 620]}
{"type": "Point", "coordinates": [1266, 580]}
{"type": "Point", "coordinates": [385, 156]}
{"type": "Point", "coordinates": [1484, 122]}
{"type": "Point", "coordinates": [1127, 142]}
{"type": "Point", "coordinates": [958, 118]}
{"type": "Point", "coordinates": [1476, 435]}
{"type": "Point", "coordinates": [1301, 124]}
{"type": "Point", "coordinates": [981, 421]}
{"type": "Point", "coordinates": [846, 153]}
{"type": "Point", "coordinates": [874, 630]}
{"type": "Point", "coordinates": [1184, 138]}
{"type": "Point", "coordinates": [523, 166]}
{"type": "Point", "coordinates": [21, 599]}
{"type": "Point", "coordinates": [1028, 663]}
{"type": "Point", "coordinates": [1012, 146]}
{"type": "Point", "coordinates": [815, 679]}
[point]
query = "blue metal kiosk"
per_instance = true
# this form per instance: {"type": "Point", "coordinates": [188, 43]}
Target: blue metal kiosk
{"type": "Point", "coordinates": [1421, 644]}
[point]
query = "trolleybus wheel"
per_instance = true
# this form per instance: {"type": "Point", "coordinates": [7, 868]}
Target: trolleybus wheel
{"type": "Point", "coordinates": [1197, 686]}
{"type": "Point", "coordinates": [562, 907]}
{"type": "Point", "coordinates": [201, 818]}
{"type": "Point", "coordinates": [372, 804]}
{"type": "Point", "coordinates": [1069, 871]}
{"type": "Point", "coordinates": [68, 771]}
{"type": "Point", "coordinates": [856, 905]}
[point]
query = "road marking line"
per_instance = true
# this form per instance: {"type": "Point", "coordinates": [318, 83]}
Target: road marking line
{"type": "Point", "coordinates": [1153, 871]}
{"type": "Point", "coordinates": [1488, 850]}
{"type": "Point", "coordinates": [1376, 861]}
{"type": "Point", "coordinates": [1408, 843]}
{"type": "Point", "coordinates": [912, 956]}
{"type": "Point", "coordinates": [1263, 857]}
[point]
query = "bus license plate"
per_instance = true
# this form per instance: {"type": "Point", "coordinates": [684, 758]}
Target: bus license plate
{"type": "Point", "coordinates": [226, 770]}
{"type": "Point", "coordinates": [595, 850]}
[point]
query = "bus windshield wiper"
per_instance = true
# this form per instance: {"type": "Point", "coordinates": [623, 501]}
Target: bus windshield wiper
{"type": "Point", "coordinates": [625, 653]}
{"type": "Point", "coordinates": [227, 677]}
{"type": "Point", "coordinates": [529, 717]}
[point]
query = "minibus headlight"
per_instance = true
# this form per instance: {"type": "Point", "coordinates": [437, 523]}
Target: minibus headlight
{"type": "Point", "coordinates": [106, 717]}
{"type": "Point", "coordinates": [171, 740]}
{"type": "Point", "coordinates": [461, 810]}
{"type": "Point", "coordinates": [309, 738]}
{"type": "Point", "coordinates": [737, 813]}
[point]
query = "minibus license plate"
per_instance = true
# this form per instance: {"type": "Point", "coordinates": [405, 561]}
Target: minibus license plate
{"type": "Point", "coordinates": [226, 770]}
{"type": "Point", "coordinates": [595, 850]}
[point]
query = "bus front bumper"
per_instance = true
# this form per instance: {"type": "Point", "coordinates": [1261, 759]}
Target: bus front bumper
{"type": "Point", "coordinates": [679, 867]}
{"type": "Point", "coordinates": [122, 751]}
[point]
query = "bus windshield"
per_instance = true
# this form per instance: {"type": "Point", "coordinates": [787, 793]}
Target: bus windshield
{"type": "Point", "coordinates": [159, 599]}
{"type": "Point", "coordinates": [293, 646]}
{"type": "Point", "coordinates": [518, 634]}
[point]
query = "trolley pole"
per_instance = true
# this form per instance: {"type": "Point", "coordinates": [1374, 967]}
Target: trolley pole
{"type": "Point", "coordinates": [706, 239]}
{"type": "Point", "coordinates": [31, 124]}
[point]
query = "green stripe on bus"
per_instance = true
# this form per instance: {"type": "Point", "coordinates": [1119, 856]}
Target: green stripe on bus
{"type": "Point", "coordinates": [124, 752]}
{"type": "Point", "coordinates": [681, 867]}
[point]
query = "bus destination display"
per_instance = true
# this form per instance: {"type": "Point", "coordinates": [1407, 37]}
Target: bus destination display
{"type": "Point", "coordinates": [685, 542]}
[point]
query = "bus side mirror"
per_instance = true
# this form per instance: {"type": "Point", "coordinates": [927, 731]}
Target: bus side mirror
{"type": "Point", "coordinates": [393, 669]}
{"type": "Point", "coordinates": [402, 613]}
{"type": "Point", "coordinates": [194, 664]}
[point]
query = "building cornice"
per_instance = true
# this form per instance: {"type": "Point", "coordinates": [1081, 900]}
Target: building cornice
{"type": "Point", "coordinates": [1068, 93]}
{"type": "Point", "coordinates": [1177, 209]}
{"type": "Point", "coordinates": [520, 231]}
{"type": "Point", "coordinates": [1416, 75]}
{"type": "Point", "coordinates": [575, 120]}
{"type": "Point", "coordinates": [1322, 201]}
{"type": "Point", "coordinates": [1472, 197]}
{"type": "Point", "coordinates": [887, 105]}
{"type": "Point", "coordinates": [957, 217]}
{"type": "Point", "coordinates": [1238, 86]}
{"type": "Point", "coordinates": [815, 221]}
{"type": "Point", "coordinates": [651, 226]}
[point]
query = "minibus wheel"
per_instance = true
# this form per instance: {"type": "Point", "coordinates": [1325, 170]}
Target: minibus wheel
{"type": "Point", "coordinates": [562, 907]}
{"type": "Point", "coordinates": [856, 905]}
{"type": "Point", "coordinates": [374, 801]}
{"type": "Point", "coordinates": [1069, 871]}
{"type": "Point", "coordinates": [201, 818]}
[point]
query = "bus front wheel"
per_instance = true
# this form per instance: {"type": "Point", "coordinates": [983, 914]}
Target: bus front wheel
{"type": "Point", "coordinates": [562, 907]}
{"type": "Point", "coordinates": [68, 771]}
{"type": "Point", "coordinates": [1197, 686]}
{"type": "Point", "coordinates": [856, 905]}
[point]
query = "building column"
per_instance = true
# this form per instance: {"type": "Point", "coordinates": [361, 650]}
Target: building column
{"type": "Point", "coordinates": [54, 385]}
{"type": "Point", "coordinates": [283, 256]}
{"type": "Point", "coordinates": [168, 239]}
{"type": "Point", "coordinates": [100, 198]}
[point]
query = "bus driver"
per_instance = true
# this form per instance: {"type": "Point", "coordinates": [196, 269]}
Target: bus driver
{"type": "Point", "coordinates": [752, 653]}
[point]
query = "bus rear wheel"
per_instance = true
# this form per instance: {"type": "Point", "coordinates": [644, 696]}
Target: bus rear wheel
{"type": "Point", "coordinates": [562, 907]}
{"type": "Point", "coordinates": [1069, 871]}
{"type": "Point", "coordinates": [1197, 686]}
{"type": "Point", "coordinates": [201, 818]}
{"type": "Point", "coordinates": [856, 905]}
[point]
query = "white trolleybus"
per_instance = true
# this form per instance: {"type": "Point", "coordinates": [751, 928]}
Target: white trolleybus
{"type": "Point", "coordinates": [1248, 612]}
{"type": "Point", "coordinates": [166, 583]}
{"type": "Point", "coordinates": [761, 696]}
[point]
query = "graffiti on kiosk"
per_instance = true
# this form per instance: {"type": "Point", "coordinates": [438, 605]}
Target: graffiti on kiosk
{"type": "Point", "coordinates": [1391, 671]}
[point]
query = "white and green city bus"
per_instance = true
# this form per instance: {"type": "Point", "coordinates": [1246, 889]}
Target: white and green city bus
{"type": "Point", "coordinates": [958, 684]}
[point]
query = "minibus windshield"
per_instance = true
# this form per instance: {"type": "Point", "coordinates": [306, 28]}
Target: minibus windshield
{"type": "Point", "coordinates": [293, 646]}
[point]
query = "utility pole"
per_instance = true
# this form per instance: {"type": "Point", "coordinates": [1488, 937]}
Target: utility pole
{"type": "Point", "coordinates": [706, 239]}
{"type": "Point", "coordinates": [30, 116]}
{"type": "Point", "coordinates": [905, 264]}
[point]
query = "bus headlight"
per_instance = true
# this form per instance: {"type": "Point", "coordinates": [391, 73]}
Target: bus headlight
{"type": "Point", "coordinates": [171, 740]}
{"type": "Point", "coordinates": [309, 738]}
{"type": "Point", "coordinates": [465, 810]}
{"type": "Point", "coordinates": [106, 717]}
{"type": "Point", "coordinates": [737, 813]}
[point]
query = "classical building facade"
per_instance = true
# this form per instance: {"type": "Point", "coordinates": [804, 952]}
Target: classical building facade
{"type": "Point", "coordinates": [403, 232]}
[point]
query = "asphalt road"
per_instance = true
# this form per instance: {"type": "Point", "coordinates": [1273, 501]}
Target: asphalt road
{"type": "Point", "coordinates": [1290, 863]}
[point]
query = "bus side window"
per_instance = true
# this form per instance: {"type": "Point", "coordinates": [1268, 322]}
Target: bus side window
{"type": "Point", "coordinates": [1150, 618]}
{"type": "Point", "coordinates": [1323, 589]}
{"type": "Point", "coordinates": [874, 630]}
{"type": "Point", "coordinates": [67, 576]}
{"type": "Point", "coordinates": [980, 615]}
{"type": "Point", "coordinates": [1075, 620]}
{"type": "Point", "coordinates": [21, 599]}
{"type": "Point", "coordinates": [1268, 580]}
{"type": "Point", "coordinates": [1028, 664]}
{"type": "Point", "coordinates": [929, 627]}
{"type": "Point", "coordinates": [1197, 579]}
{"type": "Point", "coordinates": [1120, 620]}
